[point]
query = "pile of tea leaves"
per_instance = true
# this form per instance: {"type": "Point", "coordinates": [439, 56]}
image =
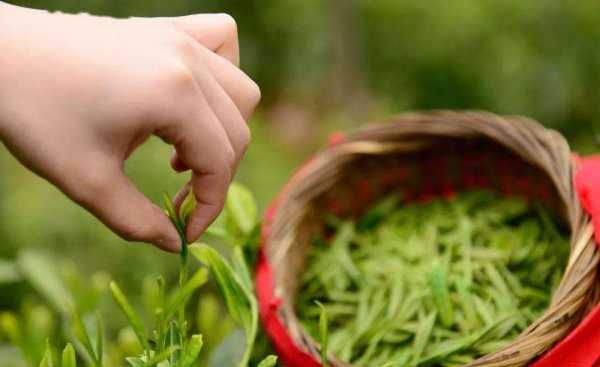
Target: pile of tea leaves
{"type": "Point", "coordinates": [432, 284]}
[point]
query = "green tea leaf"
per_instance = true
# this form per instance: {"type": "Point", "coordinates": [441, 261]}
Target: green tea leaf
{"type": "Point", "coordinates": [441, 295]}
{"type": "Point", "coordinates": [132, 317]}
{"type": "Point", "coordinates": [99, 340]}
{"type": "Point", "coordinates": [40, 271]}
{"type": "Point", "coordinates": [240, 301]}
{"type": "Point", "coordinates": [68, 357]}
{"type": "Point", "coordinates": [187, 207]}
{"type": "Point", "coordinates": [422, 337]}
{"type": "Point", "coordinates": [240, 205]}
{"type": "Point", "coordinates": [193, 351]}
{"type": "Point", "coordinates": [9, 272]}
{"type": "Point", "coordinates": [324, 334]}
{"type": "Point", "coordinates": [162, 356]}
{"type": "Point", "coordinates": [269, 361]}
{"type": "Point", "coordinates": [81, 333]}
{"type": "Point", "coordinates": [230, 351]}
{"type": "Point", "coordinates": [48, 359]}
{"type": "Point", "coordinates": [179, 299]}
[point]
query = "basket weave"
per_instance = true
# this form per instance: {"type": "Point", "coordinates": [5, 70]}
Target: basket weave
{"type": "Point", "coordinates": [433, 154]}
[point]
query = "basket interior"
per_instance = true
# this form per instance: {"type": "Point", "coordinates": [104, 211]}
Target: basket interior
{"type": "Point", "coordinates": [438, 167]}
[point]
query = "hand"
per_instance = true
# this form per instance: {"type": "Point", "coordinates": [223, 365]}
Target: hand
{"type": "Point", "coordinates": [79, 93]}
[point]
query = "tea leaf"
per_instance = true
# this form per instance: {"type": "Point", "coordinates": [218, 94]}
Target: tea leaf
{"type": "Point", "coordinates": [162, 356]}
{"type": "Point", "coordinates": [323, 329]}
{"type": "Point", "coordinates": [240, 301]}
{"type": "Point", "coordinates": [132, 317]}
{"type": "Point", "coordinates": [68, 357]}
{"type": "Point", "coordinates": [422, 336]}
{"type": "Point", "coordinates": [48, 359]}
{"type": "Point", "coordinates": [99, 340]}
{"type": "Point", "coordinates": [441, 296]}
{"type": "Point", "coordinates": [41, 273]}
{"type": "Point", "coordinates": [269, 361]}
{"type": "Point", "coordinates": [183, 293]}
{"type": "Point", "coordinates": [193, 351]}
{"type": "Point", "coordinates": [81, 333]}
{"type": "Point", "coordinates": [242, 208]}
{"type": "Point", "coordinates": [187, 207]}
{"type": "Point", "coordinates": [485, 265]}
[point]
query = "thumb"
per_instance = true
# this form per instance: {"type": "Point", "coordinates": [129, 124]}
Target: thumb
{"type": "Point", "coordinates": [114, 200]}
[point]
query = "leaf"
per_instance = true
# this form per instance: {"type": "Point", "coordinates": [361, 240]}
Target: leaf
{"type": "Point", "coordinates": [229, 283]}
{"type": "Point", "coordinates": [240, 301]}
{"type": "Point", "coordinates": [230, 351]}
{"type": "Point", "coordinates": [170, 210]}
{"type": "Point", "coordinates": [378, 212]}
{"type": "Point", "coordinates": [193, 351]}
{"type": "Point", "coordinates": [183, 293]}
{"type": "Point", "coordinates": [48, 360]}
{"type": "Point", "coordinates": [441, 295]}
{"type": "Point", "coordinates": [241, 206]}
{"type": "Point", "coordinates": [187, 207]}
{"type": "Point", "coordinates": [99, 339]}
{"type": "Point", "coordinates": [40, 271]}
{"type": "Point", "coordinates": [68, 357]}
{"type": "Point", "coordinates": [323, 330]}
{"type": "Point", "coordinates": [135, 362]}
{"type": "Point", "coordinates": [422, 337]}
{"type": "Point", "coordinates": [82, 335]}
{"type": "Point", "coordinates": [132, 317]}
{"type": "Point", "coordinates": [241, 268]}
{"type": "Point", "coordinates": [162, 356]}
{"type": "Point", "coordinates": [9, 272]}
{"type": "Point", "coordinates": [269, 361]}
{"type": "Point", "coordinates": [10, 326]}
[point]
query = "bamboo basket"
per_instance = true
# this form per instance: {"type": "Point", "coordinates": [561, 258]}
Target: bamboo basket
{"type": "Point", "coordinates": [427, 155]}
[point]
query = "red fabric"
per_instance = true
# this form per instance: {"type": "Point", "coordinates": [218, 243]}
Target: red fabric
{"type": "Point", "coordinates": [581, 348]}
{"type": "Point", "coordinates": [289, 353]}
{"type": "Point", "coordinates": [336, 138]}
{"type": "Point", "coordinates": [587, 183]}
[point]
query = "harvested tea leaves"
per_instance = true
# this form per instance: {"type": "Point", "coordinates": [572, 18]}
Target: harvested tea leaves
{"type": "Point", "coordinates": [431, 284]}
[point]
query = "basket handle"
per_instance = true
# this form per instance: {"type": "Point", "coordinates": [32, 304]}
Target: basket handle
{"type": "Point", "coordinates": [581, 348]}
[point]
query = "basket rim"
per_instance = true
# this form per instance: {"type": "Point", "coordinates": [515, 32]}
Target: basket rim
{"type": "Point", "coordinates": [270, 299]}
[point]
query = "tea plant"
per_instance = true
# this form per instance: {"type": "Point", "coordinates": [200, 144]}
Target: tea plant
{"type": "Point", "coordinates": [169, 343]}
{"type": "Point", "coordinates": [434, 284]}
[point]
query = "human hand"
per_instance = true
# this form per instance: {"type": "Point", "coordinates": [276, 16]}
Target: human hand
{"type": "Point", "coordinates": [79, 93]}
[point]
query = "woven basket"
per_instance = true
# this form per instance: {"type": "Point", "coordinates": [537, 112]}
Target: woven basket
{"type": "Point", "coordinates": [428, 155]}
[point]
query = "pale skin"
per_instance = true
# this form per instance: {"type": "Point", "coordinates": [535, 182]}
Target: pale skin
{"type": "Point", "coordinates": [79, 93]}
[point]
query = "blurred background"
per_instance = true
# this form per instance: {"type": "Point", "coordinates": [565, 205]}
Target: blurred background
{"type": "Point", "coordinates": [322, 66]}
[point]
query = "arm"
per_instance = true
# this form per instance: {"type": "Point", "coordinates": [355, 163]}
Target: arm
{"type": "Point", "coordinates": [79, 93]}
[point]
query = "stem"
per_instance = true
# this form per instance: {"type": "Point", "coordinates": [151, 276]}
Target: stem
{"type": "Point", "coordinates": [183, 275]}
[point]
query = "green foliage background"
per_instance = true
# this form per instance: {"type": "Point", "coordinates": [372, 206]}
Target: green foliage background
{"type": "Point", "coordinates": [323, 66]}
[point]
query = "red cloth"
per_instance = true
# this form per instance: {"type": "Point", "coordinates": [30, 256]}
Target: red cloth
{"type": "Point", "coordinates": [581, 348]}
{"type": "Point", "coordinates": [290, 355]}
{"type": "Point", "coordinates": [587, 183]}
